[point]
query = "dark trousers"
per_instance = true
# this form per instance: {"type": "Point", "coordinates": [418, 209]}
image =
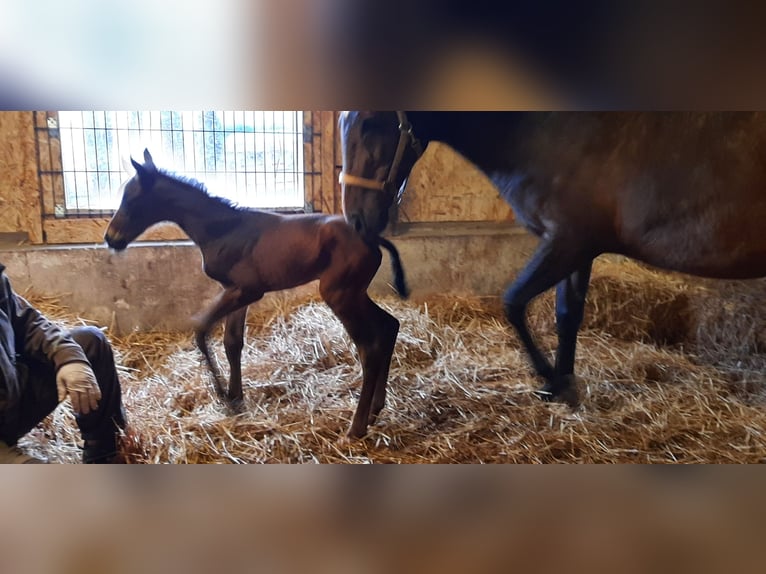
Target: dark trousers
{"type": "Point", "coordinates": [40, 396]}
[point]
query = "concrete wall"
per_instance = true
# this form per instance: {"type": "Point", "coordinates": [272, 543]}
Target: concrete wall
{"type": "Point", "coordinates": [158, 286]}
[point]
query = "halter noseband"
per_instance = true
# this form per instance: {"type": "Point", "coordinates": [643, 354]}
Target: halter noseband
{"type": "Point", "coordinates": [405, 134]}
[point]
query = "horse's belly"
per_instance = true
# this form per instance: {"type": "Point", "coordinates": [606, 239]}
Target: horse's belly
{"type": "Point", "coordinates": [703, 254]}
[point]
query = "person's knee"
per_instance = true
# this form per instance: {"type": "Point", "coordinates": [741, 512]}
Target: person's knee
{"type": "Point", "coordinates": [93, 342]}
{"type": "Point", "coordinates": [98, 350]}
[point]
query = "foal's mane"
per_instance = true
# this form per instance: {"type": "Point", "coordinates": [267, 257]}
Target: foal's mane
{"type": "Point", "coordinates": [197, 186]}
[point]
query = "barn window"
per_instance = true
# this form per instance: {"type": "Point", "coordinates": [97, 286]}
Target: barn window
{"type": "Point", "coordinates": [255, 158]}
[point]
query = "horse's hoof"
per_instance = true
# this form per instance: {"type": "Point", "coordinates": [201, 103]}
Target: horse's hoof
{"type": "Point", "coordinates": [563, 390]}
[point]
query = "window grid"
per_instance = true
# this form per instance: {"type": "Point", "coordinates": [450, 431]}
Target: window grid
{"type": "Point", "coordinates": [254, 158]}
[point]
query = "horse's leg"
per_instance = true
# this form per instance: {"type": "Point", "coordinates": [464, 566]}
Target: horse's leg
{"type": "Point", "coordinates": [551, 263]}
{"type": "Point", "coordinates": [233, 341]}
{"type": "Point", "coordinates": [227, 301]}
{"type": "Point", "coordinates": [570, 307]}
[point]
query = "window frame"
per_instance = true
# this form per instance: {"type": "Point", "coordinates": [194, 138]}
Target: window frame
{"type": "Point", "coordinates": [321, 190]}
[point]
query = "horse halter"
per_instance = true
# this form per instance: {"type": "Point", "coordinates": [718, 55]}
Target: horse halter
{"type": "Point", "coordinates": [405, 136]}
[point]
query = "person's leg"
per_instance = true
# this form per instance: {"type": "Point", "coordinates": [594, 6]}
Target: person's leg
{"type": "Point", "coordinates": [38, 398]}
{"type": "Point", "coordinates": [101, 427]}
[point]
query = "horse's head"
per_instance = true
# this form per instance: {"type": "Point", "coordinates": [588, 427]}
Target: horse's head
{"type": "Point", "coordinates": [379, 151]}
{"type": "Point", "coordinates": [138, 209]}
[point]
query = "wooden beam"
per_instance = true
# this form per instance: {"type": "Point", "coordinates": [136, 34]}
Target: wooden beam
{"type": "Point", "coordinates": [92, 231]}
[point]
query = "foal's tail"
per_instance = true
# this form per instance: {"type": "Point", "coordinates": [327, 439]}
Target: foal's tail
{"type": "Point", "coordinates": [396, 268]}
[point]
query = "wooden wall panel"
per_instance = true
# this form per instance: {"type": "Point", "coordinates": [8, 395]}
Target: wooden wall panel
{"type": "Point", "coordinates": [322, 188]}
{"type": "Point", "coordinates": [444, 186]}
{"type": "Point", "coordinates": [92, 231]}
{"type": "Point", "coordinates": [19, 186]}
{"type": "Point", "coordinates": [330, 186]}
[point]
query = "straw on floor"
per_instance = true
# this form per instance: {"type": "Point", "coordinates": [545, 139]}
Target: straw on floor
{"type": "Point", "coordinates": [670, 371]}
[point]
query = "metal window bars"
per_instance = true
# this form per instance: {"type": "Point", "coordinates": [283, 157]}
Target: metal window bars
{"type": "Point", "coordinates": [254, 158]}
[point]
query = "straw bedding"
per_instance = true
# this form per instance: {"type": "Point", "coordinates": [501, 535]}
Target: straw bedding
{"type": "Point", "coordinates": [669, 371]}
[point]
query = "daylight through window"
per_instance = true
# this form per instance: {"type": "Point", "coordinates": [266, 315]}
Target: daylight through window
{"type": "Point", "coordinates": [254, 158]}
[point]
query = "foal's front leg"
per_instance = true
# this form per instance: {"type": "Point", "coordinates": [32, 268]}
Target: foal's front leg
{"type": "Point", "coordinates": [233, 341]}
{"type": "Point", "coordinates": [230, 301]}
{"type": "Point", "coordinates": [200, 337]}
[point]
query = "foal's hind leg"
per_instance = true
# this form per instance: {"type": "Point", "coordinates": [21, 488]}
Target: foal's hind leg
{"type": "Point", "coordinates": [373, 332]}
{"type": "Point", "coordinates": [551, 263]}
{"type": "Point", "coordinates": [343, 286]}
{"type": "Point", "coordinates": [385, 343]}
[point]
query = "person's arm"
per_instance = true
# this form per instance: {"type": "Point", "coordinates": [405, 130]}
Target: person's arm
{"type": "Point", "coordinates": [10, 391]}
{"type": "Point", "coordinates": [39, 338]}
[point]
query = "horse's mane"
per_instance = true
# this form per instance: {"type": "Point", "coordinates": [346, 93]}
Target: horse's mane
{"type": "Point", "coordinates": [197, 185]}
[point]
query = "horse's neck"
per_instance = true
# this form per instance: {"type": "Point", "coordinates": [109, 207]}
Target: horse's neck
{"type": "Point", "coordinates": [193, 210]}
{"type": "Point", "coordinates": [484, 138]}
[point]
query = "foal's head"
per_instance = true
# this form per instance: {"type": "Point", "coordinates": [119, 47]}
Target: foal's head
{"type": "Point", "coordinates": [371, 176]}
{"type": "Point", "coordinates": [139, 208]}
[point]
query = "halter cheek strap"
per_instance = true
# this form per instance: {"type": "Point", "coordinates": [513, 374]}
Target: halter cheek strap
{"type": "Point", "coordinates": [348, 179]}
{"type": "Point", "coordinates": [405, 136]}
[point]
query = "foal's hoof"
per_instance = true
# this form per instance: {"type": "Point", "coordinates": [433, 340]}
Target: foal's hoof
{"type": "Point", "coordinates": [236, 406]}
{"type": "Point", "coordinates": [563, 390]}
{"type": "Point", "coordinates": [217, 387]}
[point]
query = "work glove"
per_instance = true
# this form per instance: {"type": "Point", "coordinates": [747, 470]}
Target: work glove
{"type": "Point", "coordinates": [78, 381]}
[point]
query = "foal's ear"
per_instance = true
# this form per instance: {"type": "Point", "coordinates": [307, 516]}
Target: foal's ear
{"type": "Point", "coordinates": [146, 172]}
{"type": "Point", "coordinates": [148, 161]}
{"type": "Point", "coordinates": [148, 166]}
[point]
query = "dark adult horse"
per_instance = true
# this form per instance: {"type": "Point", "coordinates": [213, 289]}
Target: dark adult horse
{"type": "Point", "coordinates": [252, 252]}
{"type": "Point", "coordinates": [680, 191]}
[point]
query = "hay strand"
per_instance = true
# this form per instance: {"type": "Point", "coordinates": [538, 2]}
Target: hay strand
{"type": "Point", "coordinates": [670, 371]}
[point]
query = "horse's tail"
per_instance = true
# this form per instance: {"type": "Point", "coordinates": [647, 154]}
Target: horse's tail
{"type": "Point", "coordinates": [396, 268]}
